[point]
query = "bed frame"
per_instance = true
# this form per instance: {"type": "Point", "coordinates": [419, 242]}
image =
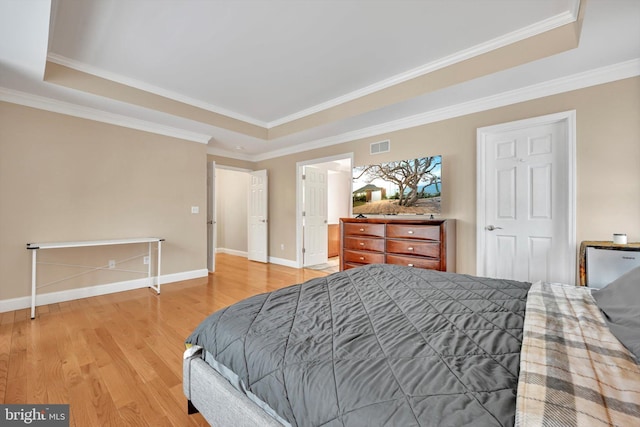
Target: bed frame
{"type": "Point", "coordinates": [215, 398]}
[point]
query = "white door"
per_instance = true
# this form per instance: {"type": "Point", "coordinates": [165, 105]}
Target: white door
{"type": "Point", "coordinates": [211, 216]}
{"type": "Point", "coordinates": [258, 227]}
{"type": "Point", "coordinates": [315, 216]}
{"type": "Point", "coordinates": [526, 225]}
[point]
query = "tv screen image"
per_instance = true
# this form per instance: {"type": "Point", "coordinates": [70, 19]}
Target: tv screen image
{"type": "Point", "coordinates": [404, 187]}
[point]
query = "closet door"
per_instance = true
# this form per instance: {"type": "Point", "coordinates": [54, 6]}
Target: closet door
{"type": "Point", "coordinates": [258, 221]}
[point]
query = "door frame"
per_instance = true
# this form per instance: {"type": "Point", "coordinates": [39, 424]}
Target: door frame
{"type": "Point", "coordinates": [569, 118]}
{"type": "Point", "coordinates": [299, 197]}
{"type": "Point", "coordinates": [211, 216]}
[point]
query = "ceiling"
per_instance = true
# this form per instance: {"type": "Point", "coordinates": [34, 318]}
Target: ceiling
{"type": "Point", "coordinates": [260, 78]}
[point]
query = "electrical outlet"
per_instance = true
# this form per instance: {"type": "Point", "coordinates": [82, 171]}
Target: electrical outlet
{"type": "Point", "coordinates": [112, 263]}
{"type": "Point", "coordinates": [282, 246]}
{"type": "Point", "coordinates": [145, 260]}
{"type": "Point", "coordinates": [195, 209]}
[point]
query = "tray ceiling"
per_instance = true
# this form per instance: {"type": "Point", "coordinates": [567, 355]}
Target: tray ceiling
{"type": "Point", "coordinates": [259, 78]}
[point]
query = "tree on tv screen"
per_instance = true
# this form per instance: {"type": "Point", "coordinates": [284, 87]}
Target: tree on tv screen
{"type": "Point", "coordinates": [408, 175]}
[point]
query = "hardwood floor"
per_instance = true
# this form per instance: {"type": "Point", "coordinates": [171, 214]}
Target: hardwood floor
{"type": "Point", "coordinates": [117, 359]}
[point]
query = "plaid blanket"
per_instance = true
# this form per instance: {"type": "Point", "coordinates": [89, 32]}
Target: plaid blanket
{"type": "Point", "coordinates": [573, 371]}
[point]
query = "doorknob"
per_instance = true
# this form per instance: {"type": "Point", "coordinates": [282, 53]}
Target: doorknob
{"type": "Point", "coordinates": [491, 228]}
{"type": "Point", "coordinates": [210, 222]}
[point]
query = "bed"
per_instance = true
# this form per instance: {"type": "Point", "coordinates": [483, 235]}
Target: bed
{"type": "Point", "coordinates": [385, 345]}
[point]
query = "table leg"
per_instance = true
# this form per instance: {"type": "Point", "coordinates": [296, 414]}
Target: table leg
{"type": "Point", "coordinates": [33, 283]}
{"type": "Point", "coordinates": [159, 263]}
{"type": "Point", "coordinates": [149, 278]}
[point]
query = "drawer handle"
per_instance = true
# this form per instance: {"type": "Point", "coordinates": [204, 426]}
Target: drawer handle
{"type": "Point", "coordinates": [361, 243]}
{"type": "Point", "coordinates": [410, 232]}
{"type": "Point", "coordinates": [361, 258]}
{"type": "Point", "coordinates": [410, 248]}
{"type": "Point", "coordinates": [362, 229]}
{"type": "Point", "coordinates": [409, 265]}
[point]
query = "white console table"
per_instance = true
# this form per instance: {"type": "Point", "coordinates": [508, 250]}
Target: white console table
{"type": "Point", "coordinates": [35, 247]}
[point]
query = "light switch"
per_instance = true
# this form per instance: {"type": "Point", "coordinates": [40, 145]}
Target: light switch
{"type": "Point", "coordinates": [195, 209]}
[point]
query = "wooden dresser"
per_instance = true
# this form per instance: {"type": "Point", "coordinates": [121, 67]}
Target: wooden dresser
{"type": "Point", "coordinates": [421, 243]}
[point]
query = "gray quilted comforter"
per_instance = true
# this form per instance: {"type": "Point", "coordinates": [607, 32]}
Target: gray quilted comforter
{"type": "Point", "coordinates": [379, 345]}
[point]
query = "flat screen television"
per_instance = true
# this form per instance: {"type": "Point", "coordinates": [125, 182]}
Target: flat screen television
{"type": "Point", "coordinates": [404, 187]}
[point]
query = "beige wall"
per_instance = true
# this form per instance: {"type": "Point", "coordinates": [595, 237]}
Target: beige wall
{"type": "Point", "coordinates": [339, 190]}
{"type": "Point", "coordinates": [608, 165]}
{"type": "Point", "coordinates": [63, 178]}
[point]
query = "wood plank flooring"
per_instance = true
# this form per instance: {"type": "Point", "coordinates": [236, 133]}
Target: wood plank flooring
{"type": "Point", "coordinates": [117, 359]}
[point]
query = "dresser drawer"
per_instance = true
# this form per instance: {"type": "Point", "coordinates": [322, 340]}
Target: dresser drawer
{"type": "Point", "coordinates": [362, 257]}
{"type": "Point", "coordinates": [405, 231]}
{"type": "Point", "coordinates": [376, 230]}
{"type": "Point", "coordinates": [364, 244]}
{"type": "Point", "coordinates": [411, 261]}
{"type": "Point", "coordinates": [409, 247]}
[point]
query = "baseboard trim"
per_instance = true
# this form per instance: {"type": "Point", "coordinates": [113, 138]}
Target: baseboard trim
{"type": "Point", "coordinates": [232, 252]}
{"type": "Point", "coordinates": [272, 260]}
{"type": "Point", "coordinates": [282, 261]}
{"type": "Point", "coordinates": [94, 291]}
{"type": "Point", "coordinates": [184, 275]}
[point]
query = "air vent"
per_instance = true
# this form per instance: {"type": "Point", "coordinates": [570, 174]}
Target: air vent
{"type": "Point", "coordinates": [380, 147]}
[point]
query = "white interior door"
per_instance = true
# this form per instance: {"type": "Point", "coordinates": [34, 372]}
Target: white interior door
{"type": "Point", "coordinates": [258, 221]}
{"type": "Point", "coordinates": [526, 223]}
{"type": "Point", "coordinates": [211, 216]}
{"type": "Point", "coordinates": [315, 216]}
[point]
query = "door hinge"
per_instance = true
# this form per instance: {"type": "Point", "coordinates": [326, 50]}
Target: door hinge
{"type": "Point", "coordinates": [304, 176]}
{"type": "Point", "coordinates": [304, 250]}
{"type": "Point", "coordinates": [304, 213]}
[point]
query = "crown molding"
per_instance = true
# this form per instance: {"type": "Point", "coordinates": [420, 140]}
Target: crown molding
{"type": "Point", "coordinates": [574, 8]}
{"type": "Point", "coordinates": [479, 49]}
{"type": "Point", "coordinates": [577, 81]}
{"type": "Point", "coordinates": [137, 84]}
{"type": "Point", "coordinates": [548, 24]}
{"type": "Point", "coordinates": [229, 154]}
{"type": "Point", "coordinates": [607, 74]}
{"type": "Point", "coordinates": [56, 106]}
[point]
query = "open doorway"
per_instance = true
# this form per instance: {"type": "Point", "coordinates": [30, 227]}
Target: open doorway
{"type": "Point", "coordinates": [323, 197]}
{"type": "Point", "coordinates": [227, 211]}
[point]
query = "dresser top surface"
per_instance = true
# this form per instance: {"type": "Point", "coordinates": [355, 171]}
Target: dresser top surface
{"type": "Point", "coordinates": [608, 245]}
{"type": "Point", "coordinates": [399, 220]}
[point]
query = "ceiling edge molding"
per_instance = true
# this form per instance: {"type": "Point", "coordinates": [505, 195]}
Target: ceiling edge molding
{"type": "Point", "coordinates": [574, 7]}
{"type": "Point", "coordinates": [127, 81]}
{"type": "Point", "coordinates": [623, 70]}
{"type": "Point", "coordinates": [230, 154]}
{"type": "Point", "coordinates": [577, 81]}
{"type": "Point", "coordinates": [48, 104]}
{"type": "Point", "coordinates": [496, 43]}
{"type": "Point", "coordinates": [53, 14]}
